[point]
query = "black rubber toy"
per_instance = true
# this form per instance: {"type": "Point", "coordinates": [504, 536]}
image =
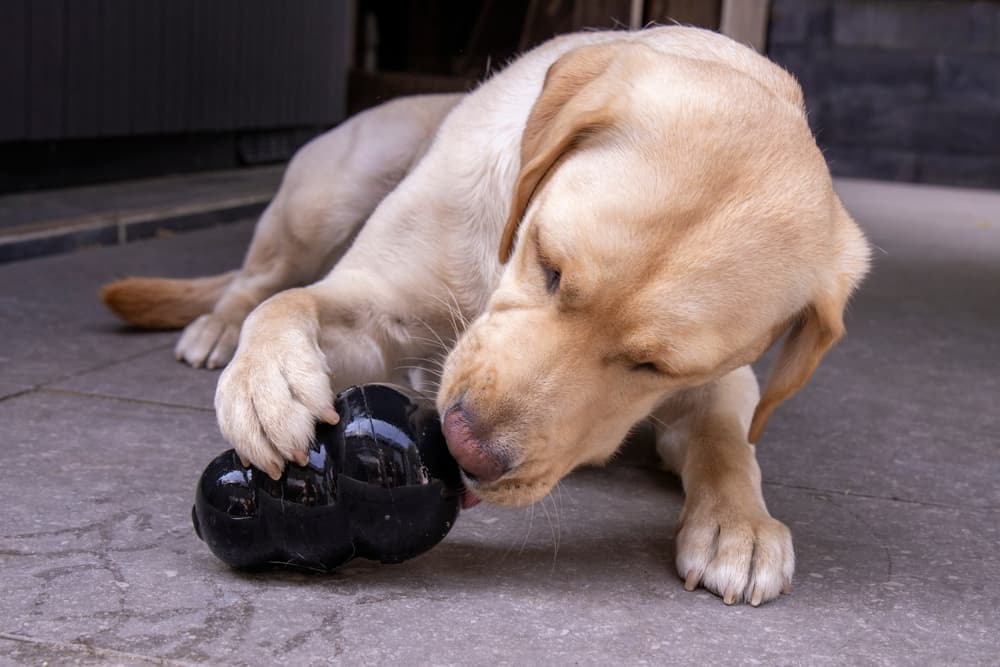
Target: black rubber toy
{"type": "Point", "coordinates": [381, 484]}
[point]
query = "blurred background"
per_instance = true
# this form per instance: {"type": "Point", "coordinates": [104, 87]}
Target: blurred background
{"type": "Point", "coordinates": [103, 91]}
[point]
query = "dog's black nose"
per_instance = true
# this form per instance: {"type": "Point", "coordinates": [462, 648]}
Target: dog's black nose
{"type": "Point", "coordinates": [474, 454]}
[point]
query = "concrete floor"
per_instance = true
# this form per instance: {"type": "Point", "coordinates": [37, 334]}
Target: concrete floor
{"type": "Point", "coordinates": [885, 467]}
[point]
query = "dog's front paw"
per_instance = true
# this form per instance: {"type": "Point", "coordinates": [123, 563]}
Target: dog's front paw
{"type": "Point", "coordinates": [269, 398]}
{"type": "Point", "coordinates": [738, 553]}
{"type": "Point", "coordinates": [209, 341]}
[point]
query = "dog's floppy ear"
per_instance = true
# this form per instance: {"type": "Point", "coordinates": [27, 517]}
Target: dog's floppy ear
{"type": "Point", "coordinates": [571, 106]}
{"type": "Point", "coordinates": [818, 326]}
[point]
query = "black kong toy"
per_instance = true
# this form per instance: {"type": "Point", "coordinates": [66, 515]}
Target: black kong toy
{"type": "Point", "coordinates": [380, 484]}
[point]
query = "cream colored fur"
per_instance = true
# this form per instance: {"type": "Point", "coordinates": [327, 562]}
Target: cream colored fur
{"type": "Point", "coordinates": [671, 180]}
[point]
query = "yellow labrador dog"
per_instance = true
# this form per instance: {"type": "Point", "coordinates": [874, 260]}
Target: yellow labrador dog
{"type": "Point", "coordinates": [612, 228]}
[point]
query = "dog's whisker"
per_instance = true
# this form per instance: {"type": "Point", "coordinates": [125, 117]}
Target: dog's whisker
{"type": "Point", "coordinates": [561, 489]}
{"type": "Point", "coordinates": [431, 329]}
{"type": "Point", "coordinates": [450, 309]}
{"type": "Point", "coordinates": [557, 512]}
{"type": "Point", "coordinates": [443, 346]}
{"type": "Point", "coordinates": [559, 503]}
{"type": "Point", "coordinates": [437, 343]}
{"type": "Point", "coordinates": [418, 361]}
{"type": "Point", "coordinates": [458, 308]}
{"type": "Point", "coordinates": [452, 314]}
{"type": "Point", "coordinates": [421, 361]}
{"type": "Point", "coordinates": [459, 321]}
{"type": "Point", "coordinates": [429, 388]}
{"type": "Point", "coordinates": [508, 552]}
{"type": "Point", "coordinates": [553, 531]}
{"type": "Point", "coordinates": [427, 341]}
{"type": "Point", "coordinates": [418, 368]}
{"type": "Point", "coordinates": [432, 361]}
{"type": "Point", "coordinates": [527, 533]}
{"type": "Point", "coordinates": [429, 379]}
{"type": "Point", "coordinates": [421, 367]}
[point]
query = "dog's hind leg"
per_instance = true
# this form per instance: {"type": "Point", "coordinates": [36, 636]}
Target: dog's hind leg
{"type": "Point", "coordinates": [328, 191]}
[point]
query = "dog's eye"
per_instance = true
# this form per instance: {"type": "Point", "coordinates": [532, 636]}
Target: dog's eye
{"type": "Point", "coordinates": [647, 367]}
{"type": "Point", "coordinates": [552, 277]}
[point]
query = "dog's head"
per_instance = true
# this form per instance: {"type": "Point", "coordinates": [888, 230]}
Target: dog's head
{"type": "Point", "coordinates": [672, 218]}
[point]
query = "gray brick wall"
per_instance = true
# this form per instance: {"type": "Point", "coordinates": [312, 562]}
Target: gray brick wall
{"type": "Point", "coordinates": [904, 90]}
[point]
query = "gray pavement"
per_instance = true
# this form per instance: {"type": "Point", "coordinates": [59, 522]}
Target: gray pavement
{"type": "Point", "coordinates": [885, 467]}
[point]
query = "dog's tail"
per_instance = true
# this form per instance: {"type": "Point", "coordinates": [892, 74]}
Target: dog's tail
{"type": "Point", "coordinates": [164, 303]}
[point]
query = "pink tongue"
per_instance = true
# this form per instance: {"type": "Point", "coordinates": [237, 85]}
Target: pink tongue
{"type": "Point", "coordinates": [469, 499]}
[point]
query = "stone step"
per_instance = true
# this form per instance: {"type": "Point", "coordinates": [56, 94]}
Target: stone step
{"type": "Point", "coordinates": [54, 221]}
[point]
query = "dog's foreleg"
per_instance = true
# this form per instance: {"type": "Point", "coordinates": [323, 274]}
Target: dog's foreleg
{"type": "Point", "coordinates": [301, 345]}
{"type": "Point", "coordinates": [726, 539]}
